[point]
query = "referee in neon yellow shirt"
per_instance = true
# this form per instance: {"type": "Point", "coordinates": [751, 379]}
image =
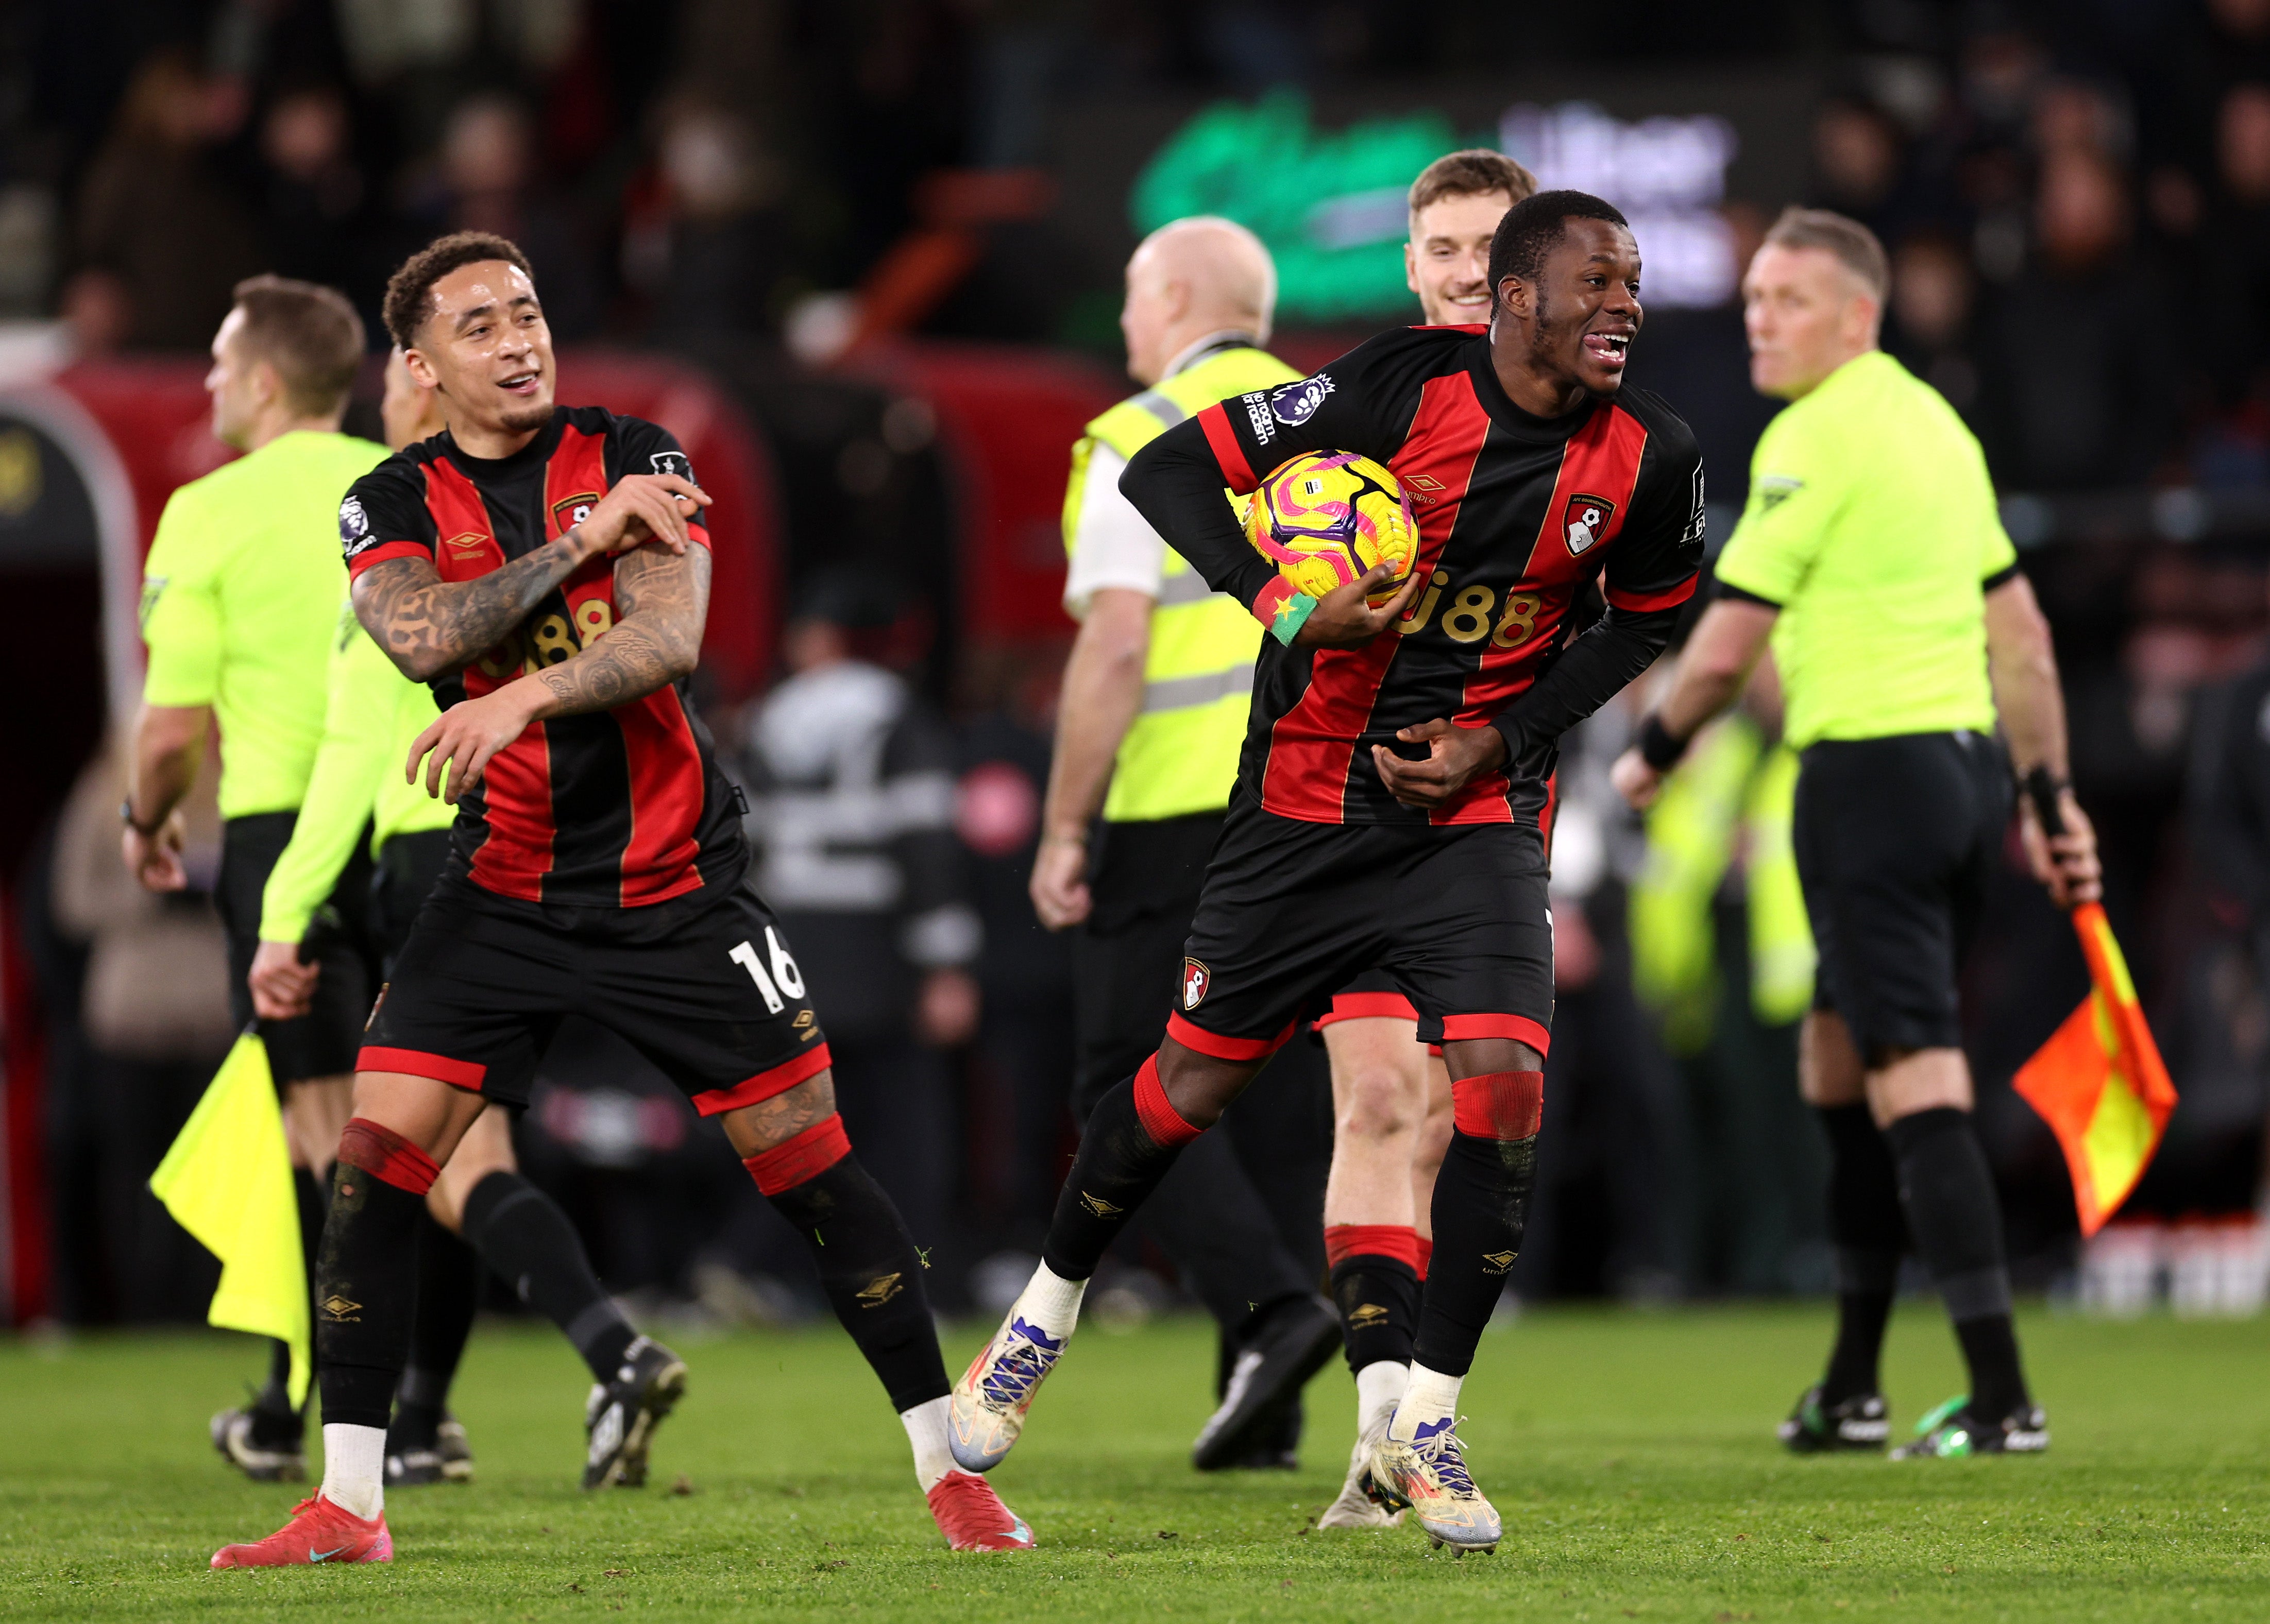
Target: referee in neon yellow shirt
{"type": "Point", "coordinates": [240, 598]}
{"type": "Point", "coordinates": [1871, 556]}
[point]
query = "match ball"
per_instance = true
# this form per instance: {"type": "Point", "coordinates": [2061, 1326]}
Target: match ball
{"type": "Point", "coordinates": [1325, 517]}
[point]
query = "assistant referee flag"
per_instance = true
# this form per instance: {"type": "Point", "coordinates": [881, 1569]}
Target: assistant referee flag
{"type": "Point", "coordinates": [227, 1181]}
{"type": "Point", "coordinates": [2099, 1081]}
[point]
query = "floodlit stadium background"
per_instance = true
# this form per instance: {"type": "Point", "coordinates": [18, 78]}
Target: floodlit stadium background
{"type": "Point", "coordinates": [863, 256]}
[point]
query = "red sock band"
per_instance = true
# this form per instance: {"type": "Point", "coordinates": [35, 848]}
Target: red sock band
{"type": "Point", "coordinates": [806, 1156]}
{"type": "Point", "coordinates": [1426, 1256]}
{"type": "Point", "coordinates": [1160, 1120]}
{"type": "Point", "coordinates": [387, 1156]}
{"type": "Point", "coordinates": [1498, 1105]}
{"type": "Point", "coordinates": [1400, 1241]}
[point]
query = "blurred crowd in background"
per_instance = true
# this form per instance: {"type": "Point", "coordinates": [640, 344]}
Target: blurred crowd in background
{"type": "Point", "coordinates": [2076, 198]}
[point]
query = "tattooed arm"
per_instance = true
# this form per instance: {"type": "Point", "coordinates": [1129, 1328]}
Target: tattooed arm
{"type": "Point", "coordinates": [664, 598]}
{"type": "Point", "coordinates": [428, 626]}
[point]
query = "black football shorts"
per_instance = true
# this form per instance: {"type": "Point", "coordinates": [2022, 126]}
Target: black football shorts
{"type": "Point", "coordinates": [322, 1043]}
{"type": "Point", "coordinates": [1896, 840]}
{"type": "Point", "coordinates": [708, 990]}
{"type": "Point", "coordinates": [1455, 918]}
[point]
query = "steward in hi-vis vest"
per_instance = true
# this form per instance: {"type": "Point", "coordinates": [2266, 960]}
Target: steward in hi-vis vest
{"type": "Point", "coordinates": [1180, 756]}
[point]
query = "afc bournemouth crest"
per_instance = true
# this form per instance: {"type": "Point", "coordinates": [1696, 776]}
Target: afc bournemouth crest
{"type": "Point", "coordinates": [1587, 521]}
{"type": "Point", "coordinates": [1196, 979]}
{"type": "Point", "coordinates": [571, 511]}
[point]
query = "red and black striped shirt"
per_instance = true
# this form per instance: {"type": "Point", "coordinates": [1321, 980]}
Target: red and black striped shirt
{"type": "Point", "coordinates": [1517, 516]}
{"type": "Point", "coordinates": [619, 808]}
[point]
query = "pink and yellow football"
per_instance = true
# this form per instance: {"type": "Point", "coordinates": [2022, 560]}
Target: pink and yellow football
{"type": "Point", "coordinates": [1325, 517]}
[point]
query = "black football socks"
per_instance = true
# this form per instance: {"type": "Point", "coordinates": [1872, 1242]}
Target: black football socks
{"type": "Point", "coordinates": [276, 1423]}
{"type": "Point", "coordinates": [1375, 1283]}
{"type": "Point", "coordinates": [1869, 1234]}
{"type": "Point", "coordinates": [367, 1274]}
{"type": "Point", "coordinates": [448, 1291]}
{"type": "Point", "coordinates": [1953, 1213]}
{"type": "Point", "coordinates": [1132, 1138]}
{"type": "Point", "coordinates": [1481, 1205]}
{"type": "Point", "coordinates": [869, 1265]}
{"type": "Point", "coordinates": [521, 1234]}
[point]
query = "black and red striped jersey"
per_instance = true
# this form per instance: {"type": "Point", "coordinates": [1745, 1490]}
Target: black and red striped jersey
{"type": "Point", "coordinates": [618, 808]}
{"type": "Point", "coordinates": [1517, 516]}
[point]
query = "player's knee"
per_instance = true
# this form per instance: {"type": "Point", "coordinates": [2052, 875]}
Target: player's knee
{"type": "Point", "coordinates": [1375, 1107]}
{"type": "Point", "coordinates": [1200, 1086]}
{"type": "Point", "coordinates": [755, 1128]}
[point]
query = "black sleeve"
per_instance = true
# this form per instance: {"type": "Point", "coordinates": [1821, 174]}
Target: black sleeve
{"type": "Point", "coordinates": [1363, 402]}
{"type": "Point", "coordinates": [642, 447]}
{"type": "Point", "coordinates": [385, 516]}
{"type": "Point", "coordinates": [1651, 573]}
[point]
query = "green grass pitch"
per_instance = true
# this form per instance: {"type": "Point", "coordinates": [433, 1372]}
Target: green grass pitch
{"type": "Point", "coordinates": [1631, 1455]}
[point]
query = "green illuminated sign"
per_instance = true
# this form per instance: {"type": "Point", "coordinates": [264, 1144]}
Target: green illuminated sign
{"type": "Point", "coordinates": [1329, 205]}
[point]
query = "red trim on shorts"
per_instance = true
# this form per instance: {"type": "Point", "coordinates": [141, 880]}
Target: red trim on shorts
{"type": "Point", "coordinates": [1648, 603]}
{"type": "Point", "coordinates": [467, 1074]}
{"type": "Point", "coordinates": [1167, 1126]}
{"type": "Point", "coordinates": [1520, 1029]}
{"type": "Point", "coordinates": [1222, 438]}
{"type": "Point", "coordinates": [1367, 1006]}
{"type": "Point", "coordinates": [1217, 1047]}
{"type": "Point", "coordinates": [765, 1084]}
{"type": "Point", "coordinates": [387, 1156]}
{"type": "Point", "coordinates": [800, 1159]}
{"type": "Point", "coordinates": [1400, 1241]}
{"type": "Point", "coordinates": [384, 551]}
{"type": "Point", "coordinates": [1426, 1256]}
{"type": "Point", "coordinates": [1499, 1105]}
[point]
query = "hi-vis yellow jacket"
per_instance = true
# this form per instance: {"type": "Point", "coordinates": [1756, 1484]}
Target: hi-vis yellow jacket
{"type": "Point", "coordinates": [1181, 755]}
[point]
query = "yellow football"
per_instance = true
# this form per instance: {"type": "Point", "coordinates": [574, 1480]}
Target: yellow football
{"type": "Point", "coordinates": [1325, 517]}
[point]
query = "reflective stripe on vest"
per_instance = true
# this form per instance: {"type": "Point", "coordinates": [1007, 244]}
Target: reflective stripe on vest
{"type": "Point", "coordinates": [1181, 755]}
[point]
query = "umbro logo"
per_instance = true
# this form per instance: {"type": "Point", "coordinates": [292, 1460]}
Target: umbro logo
{"type": "Point", "coordinates": [1369, 1315]}
{"type": "Point", "coordinates": [341, 1311]}
{"type": "Point", "coordinates": [1424, 489]}
{"type": "Point", "coordinates": [807, 1023]}
{"type": "Point", "coordinates": [1498, 1263]}
{"type": "Point", "coordinates": [880, 1290]}
{"type": "Point", "coordinates": [1099, 1207]}
{"type": "Point", "coordinates": [465, 546]}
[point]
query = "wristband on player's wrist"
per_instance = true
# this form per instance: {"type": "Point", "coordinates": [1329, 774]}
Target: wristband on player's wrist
{"type": "Point", "coordinates": [1659, 746]}
{"type": "Point", "coordinates": [1291, 616]}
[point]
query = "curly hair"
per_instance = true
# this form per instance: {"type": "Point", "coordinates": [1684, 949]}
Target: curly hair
{"type": "Point", "coordinates": [409, 290]}
{"type": "Point", "coordinates": [1534, 227]}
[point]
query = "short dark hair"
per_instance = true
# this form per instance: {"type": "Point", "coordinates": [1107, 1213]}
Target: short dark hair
{"type": "Point", "coordinates": [408, 290]}
{"type": "Point", "coordinates": [1534, 227]}
{"type": "Point", "coordinates": [1474, 173]}
{"type": "Point", "coordinates": [1853, 244]}
{"type": "Point", "coordinates": [310, 334]}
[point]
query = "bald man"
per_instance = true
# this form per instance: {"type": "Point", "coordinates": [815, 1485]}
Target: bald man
{"type": "Point", "coordinates": [1148, 728]}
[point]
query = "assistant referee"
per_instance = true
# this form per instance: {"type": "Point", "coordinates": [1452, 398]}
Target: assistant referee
{"type": "Point", "coordinates": [1871, 556]}
{"type": "Point", "coordinates": [239, 597]}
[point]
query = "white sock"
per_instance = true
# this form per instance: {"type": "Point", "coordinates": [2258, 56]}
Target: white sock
{"type": "Point", "coordinates": [1378, 1386]}
{"type": "Point", "coordinates": [354, 1468]}
{"type": "Point", "coordinates": [925, 1425]}
{"type": "Point", "coordinates": [1431, 1396]}
{"type": "Point", "coordinates": [1049, 1303]}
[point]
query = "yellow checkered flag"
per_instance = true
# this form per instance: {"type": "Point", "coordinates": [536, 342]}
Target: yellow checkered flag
{"type": "Point", "coordinates": [227, 1181]}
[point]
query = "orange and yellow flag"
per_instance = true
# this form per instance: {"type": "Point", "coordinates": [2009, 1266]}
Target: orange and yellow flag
{"type": "Point", "coordinates": [2099, 1081]}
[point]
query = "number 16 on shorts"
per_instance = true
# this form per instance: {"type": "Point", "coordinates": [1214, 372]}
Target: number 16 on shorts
{"type": "Point", "coordinates": [785, 977]}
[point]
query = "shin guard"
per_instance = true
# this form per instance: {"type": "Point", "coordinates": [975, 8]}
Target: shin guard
{"type": "Point", "coordinates": [869, 1265]}
{"type": "Point", "coordinates": [1132, 1139]}
{"type": "Point", "coordinates": [367, 1273]}
{"type": "Point", "coordinates": [1481, 1207]}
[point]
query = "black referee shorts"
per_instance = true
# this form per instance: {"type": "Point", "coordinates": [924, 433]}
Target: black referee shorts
{"type": "Point", "coordinates": [704, 987]}
{"type": "Point", "coordinates": [1293, 912]}
{"type": "Point", "coordinates": [1895, 839]}
{"type": "Point", "coordinates": [321, 1042]}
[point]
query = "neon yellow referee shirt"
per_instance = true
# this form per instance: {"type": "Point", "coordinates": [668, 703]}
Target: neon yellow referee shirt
{"type": "Point", "coordinates": [370, 718]}
{"type": "Point", "coordinates": [1872, 523]}
{"type": "Point", "coordinates": [239, 597]}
